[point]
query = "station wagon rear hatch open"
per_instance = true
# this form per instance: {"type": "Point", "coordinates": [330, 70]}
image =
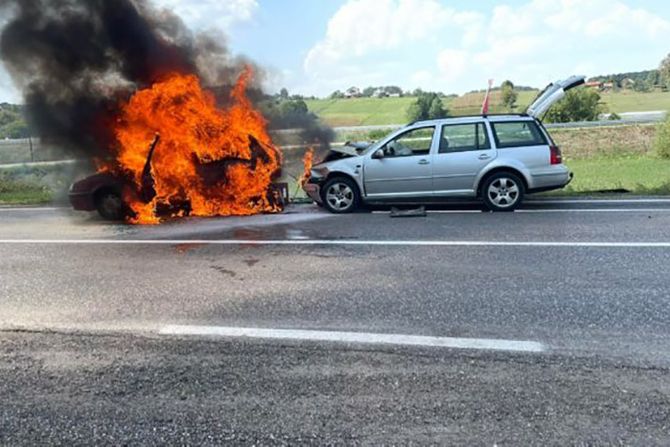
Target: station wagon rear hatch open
{"type": "Point", "coordinates": [552, 94]}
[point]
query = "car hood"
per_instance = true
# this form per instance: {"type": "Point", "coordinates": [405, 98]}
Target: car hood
{"type": "Point", "coordinates": [350, 149]}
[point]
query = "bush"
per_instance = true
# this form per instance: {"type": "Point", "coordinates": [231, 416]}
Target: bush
{"type": "Point", "coordinates": [13, 191]}
{"type": "Point", "coordinates": [578, 105]}
{"type": "Point", "coordinates": [14, 130]}
{"type": "Point", "coordinates": [509, 95]}
{"type": "Point", "coordinates": [428, 106]}
{"type": "Point", "coordinates": [662, 142]}
{"type": "Point", "coordinates": [377, 134]}
{"type": "Point", "coordinates": [614, 117]}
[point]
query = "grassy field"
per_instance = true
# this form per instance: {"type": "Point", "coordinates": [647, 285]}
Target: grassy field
{"type": "Point", "coordinates": [641, 174]}
{"type": "Point", "coordinates": [629, 101]}
{"type": "Point", "coordinates": [34, 185]}
{"type": "Point", "coordinates": [471, 103]}
{"type": "Point", "coordinates": [361, 111]}
{"type": "Point", "coordinates": [378, 111]}
{"type": "Point", "coordinates": [613, 158]}
{"type": "Point", "coordinates": [615, 141]}
{"type": "Point", "coordinates": [14, 192]}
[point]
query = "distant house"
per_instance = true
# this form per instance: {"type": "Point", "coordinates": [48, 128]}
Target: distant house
{"type": "Point", "coordinates": [353, 92]}
{"type": "Point", "coordinates": [608, 85]}
{"type": "Point", "coordinates": [380, 93]}
{"type": "Point", "coordinates": [594, 84]}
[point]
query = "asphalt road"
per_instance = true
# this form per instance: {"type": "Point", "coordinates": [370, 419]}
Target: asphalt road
{"type": "Point", "coordinates": [546, 326]}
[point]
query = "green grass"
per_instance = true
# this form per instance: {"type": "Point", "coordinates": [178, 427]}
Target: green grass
{"type": "Point", "coordinates": [630, 101]}
{"type": "Point", "coordinates": [379, 111]}
{"type": "Point", "coordinates": [361, 111]}
{"type": "Point", "coordinates": [639, 174]}
{"type": "Point", "coordinates": [471, 103]}
{"type": "Point", "coordinates": [14, 192]}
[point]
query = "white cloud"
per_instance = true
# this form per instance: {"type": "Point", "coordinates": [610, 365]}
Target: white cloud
{"type": "Point", "coordinates": [452, 63]}
{"type": "Point", "coordinates": [201, 14]}
{"type": "Point", "coordinates": [540, 39]}
{"type": "Point", "coordinates": [427, 42]}
{"type": "Point", "coordinates": [8, 91]}
{"type": "Point", "coordinates": [422, 77]}
{"type": "Point", "coordinates": [361, 27]}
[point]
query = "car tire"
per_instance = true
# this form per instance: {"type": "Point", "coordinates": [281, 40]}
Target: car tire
{"type": "Point", "coordinates": [340, 195]}
{"type": "Point", "coordinates": [503, 192]}
{"type": "Point", "coordinates": [109, 204]}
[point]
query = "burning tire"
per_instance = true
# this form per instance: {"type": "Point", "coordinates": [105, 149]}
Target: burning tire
{"type": "Point", "coordinates": [340, 195]}
{"type": "Point", "coordinates": [110, 205]}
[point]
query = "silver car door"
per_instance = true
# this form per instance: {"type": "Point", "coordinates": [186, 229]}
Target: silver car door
{"type": "Point", "coordinates": [463, 151]}
{"type": "Point", "coordinates": [405, 169]}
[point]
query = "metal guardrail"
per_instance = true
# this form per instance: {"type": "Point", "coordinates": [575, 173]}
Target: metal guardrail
{"type": "Point", "coordinates": [653, 117]}
{"type": "Point", "coordinates": [612, 123]}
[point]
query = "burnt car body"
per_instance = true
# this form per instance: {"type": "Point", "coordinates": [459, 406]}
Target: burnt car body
{"type": "Point", "coordinates": [104, 192]}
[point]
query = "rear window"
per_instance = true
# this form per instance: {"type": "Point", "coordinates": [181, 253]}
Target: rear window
{"type": "Point", "coordinates": [518, 133]}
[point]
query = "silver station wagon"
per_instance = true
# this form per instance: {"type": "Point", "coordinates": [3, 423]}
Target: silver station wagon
{"type": "Point", "coordinates": [496, 158]}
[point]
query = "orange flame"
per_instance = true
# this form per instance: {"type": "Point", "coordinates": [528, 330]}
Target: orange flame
{"type": "Point", "coordinates": [308, 161]}
{"type": "Point", "coordinates": [220, 162]}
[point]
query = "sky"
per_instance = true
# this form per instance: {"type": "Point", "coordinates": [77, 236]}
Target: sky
{"type": "Point", "coordinates": [314, 47]}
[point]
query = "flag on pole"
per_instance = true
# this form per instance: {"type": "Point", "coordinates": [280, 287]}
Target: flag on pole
{"type": "Point", "coordinates": [487, 98]}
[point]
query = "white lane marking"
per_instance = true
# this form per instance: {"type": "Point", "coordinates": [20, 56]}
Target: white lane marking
{"type": "Point", "coordinates": [571, 210]}
{"type": "Point", "coordinates": [595, 210]}
{"type": "Point", "coordinates": [572, 201]}
{"type": "Point", "coordinates": [356, 337]}
{"type": "Point", "coordinates": [440, 212]}
{"type": "Point", "coordinates": [382, 243]}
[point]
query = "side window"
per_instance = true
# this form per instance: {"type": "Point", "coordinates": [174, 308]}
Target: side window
{"type": "Point", "coordinates": [463, 138]}
{"type": "Point", "coordinates": [518, 133]}
{"type": "Point", "coordinates": [414, 142]}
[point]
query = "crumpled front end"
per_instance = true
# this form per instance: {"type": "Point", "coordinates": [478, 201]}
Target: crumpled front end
{"type": "Point", "coordinates": [343, 160]}
{"type": "Point", "coordinates": [313, 189]}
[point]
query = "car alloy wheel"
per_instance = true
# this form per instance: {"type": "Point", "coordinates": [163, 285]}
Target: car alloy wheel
{"type": "Point", "coordinates": [504, 192]}
{"type": "Point", "coordinates": [340, 197]}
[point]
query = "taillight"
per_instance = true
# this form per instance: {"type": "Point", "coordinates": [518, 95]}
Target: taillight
{"type": "Point", "coordinates": [556, 156]}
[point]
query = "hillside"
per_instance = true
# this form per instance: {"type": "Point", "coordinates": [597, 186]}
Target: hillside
{"type": "Point", "coordinates": [379, 111]}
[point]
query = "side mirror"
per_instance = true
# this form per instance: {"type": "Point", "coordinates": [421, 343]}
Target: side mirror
{"type": "Point", "coordinates": [378, 154]}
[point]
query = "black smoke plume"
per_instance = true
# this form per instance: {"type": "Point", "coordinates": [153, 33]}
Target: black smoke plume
{"type": "Point", "coordinates": [75, 60]}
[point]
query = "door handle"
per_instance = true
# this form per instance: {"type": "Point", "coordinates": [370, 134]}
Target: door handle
{"type": "Point", "coordinates": [424, 162]}
{"type": "Point", "coordinates": [484, 157]}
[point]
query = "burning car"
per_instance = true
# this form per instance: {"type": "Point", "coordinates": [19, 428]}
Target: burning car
{"type": "Point", "coordinates": [202, 160]}
{"type": "Point", "coordinates": [104, 192]}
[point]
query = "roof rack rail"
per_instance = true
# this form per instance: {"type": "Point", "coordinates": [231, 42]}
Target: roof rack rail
{"type": "Point", "coordinates": [479, 115]}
